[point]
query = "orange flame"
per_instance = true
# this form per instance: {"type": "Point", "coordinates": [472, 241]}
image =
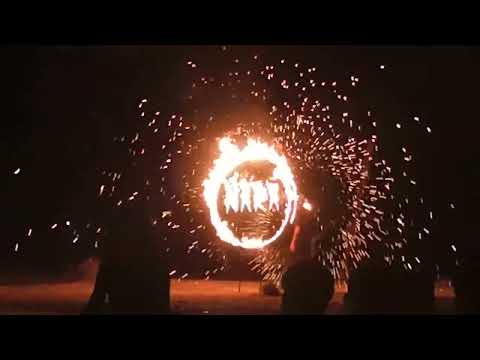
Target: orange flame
{"type": "Point", "coordinates": [230, 158]}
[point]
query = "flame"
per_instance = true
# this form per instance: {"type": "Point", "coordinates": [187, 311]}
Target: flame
{"type": "Point", "coordinates": [307, 206]}
{"type": "Point", "coordinates": [231, 156]}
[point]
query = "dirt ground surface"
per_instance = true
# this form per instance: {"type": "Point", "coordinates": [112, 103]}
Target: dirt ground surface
{"type": "Point", "coordinates": [208, 297]}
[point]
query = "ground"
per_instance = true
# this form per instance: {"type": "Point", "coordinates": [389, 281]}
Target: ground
{"type": "Point", "coordinates": [188, 297]}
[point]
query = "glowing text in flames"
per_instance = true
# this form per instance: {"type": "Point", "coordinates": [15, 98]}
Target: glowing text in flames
{"type": "Point", "coordinates": [241, 195]}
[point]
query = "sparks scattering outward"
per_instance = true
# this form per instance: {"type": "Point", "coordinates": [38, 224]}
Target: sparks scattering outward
{"type": "Point", "coordinates": [234, 172]}
{"type": "Point", "coordinates": [229, 167]}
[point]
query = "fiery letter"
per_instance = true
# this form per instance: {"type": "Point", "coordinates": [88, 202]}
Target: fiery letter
{"type": "Point", "coordinates": [231, 193]}
{"type": "Point", "coordinates": [245, 191]}
{"type": "Point", "coordinates": [260, 195]}
{"type": "Point", "coordinates": [273, 195]}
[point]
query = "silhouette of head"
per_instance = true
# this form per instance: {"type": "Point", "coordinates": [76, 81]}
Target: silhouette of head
{"type": "Point", "coordinates": [130, 233]}
{"type": "Point", "coordinates": [308, 288]}
{"type": "Point", "coordinates": [375, 287]}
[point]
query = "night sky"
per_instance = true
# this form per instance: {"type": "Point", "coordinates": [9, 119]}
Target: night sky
{"type": "Point", "coordinates": [63, 105]}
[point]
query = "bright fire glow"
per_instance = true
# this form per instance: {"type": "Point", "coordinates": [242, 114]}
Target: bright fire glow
{"type": "Point", "coordinates": [238, 192]}
{"type": "Point", "coordinates": [307, 206]}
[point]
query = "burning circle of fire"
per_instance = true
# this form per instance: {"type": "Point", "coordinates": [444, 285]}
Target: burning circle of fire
{"type": "Point", "coordinates": [230, 158]}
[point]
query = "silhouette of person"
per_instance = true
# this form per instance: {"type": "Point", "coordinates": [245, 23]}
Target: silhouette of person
{"type": "Point", "coordinates": [467, 290]}
{"type": "Point", "coordinates": [419, 290]}
{"type": "Point", "coordinates": [378, 288]}
{"type": "Point", "coordinates": [308, 288]}
{"type": "Point", "coordinates": [132, 277]}
{"type": "Point", "coordinates": [304, 232]}
{"type": "Point", "coordinates": [300, 246]}
{"type": "Point", "coordinates": [367, 290]}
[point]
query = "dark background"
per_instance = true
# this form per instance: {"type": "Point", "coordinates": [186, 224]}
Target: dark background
{"type": "Point", "coordinates": [63, 105]}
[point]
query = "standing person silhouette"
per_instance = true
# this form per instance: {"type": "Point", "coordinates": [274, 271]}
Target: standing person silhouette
{"type": "Point", "coordinates": [132, 279]}
{"type": "Point", "coordinates": [308, 286]}
{"type": "Point", "coordinates": [304, 232]}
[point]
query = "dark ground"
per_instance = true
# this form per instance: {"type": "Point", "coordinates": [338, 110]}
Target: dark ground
{"type": "Point", "coordinates": [68, 296]}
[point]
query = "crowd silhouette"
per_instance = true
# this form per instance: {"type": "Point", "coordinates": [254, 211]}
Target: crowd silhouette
{"type": "Point", "coordinates": [133, 279]}
{"type": "Point", "coordinates": [378, 288]}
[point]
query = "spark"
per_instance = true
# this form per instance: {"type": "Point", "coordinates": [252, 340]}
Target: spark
{"type": "Point", "coordinates": [312, 138]}
{"type": "Point", "coordinates": [307, 206]}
